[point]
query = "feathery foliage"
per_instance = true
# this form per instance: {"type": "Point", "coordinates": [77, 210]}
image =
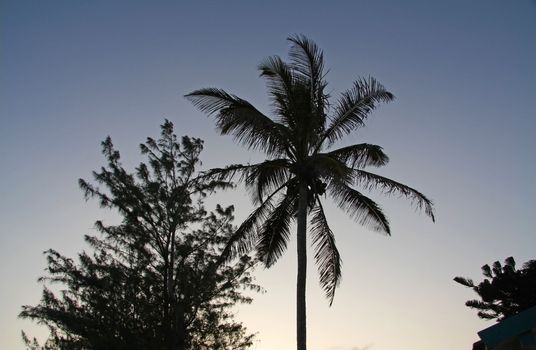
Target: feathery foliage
{"type": "Point", "coordinates": [505, 291]}
{"type": "Point", "coordinates": [157, 280]}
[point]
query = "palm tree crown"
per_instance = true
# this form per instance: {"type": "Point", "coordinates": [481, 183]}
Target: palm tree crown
{"type": "Point", "coordinates": [301, 167]}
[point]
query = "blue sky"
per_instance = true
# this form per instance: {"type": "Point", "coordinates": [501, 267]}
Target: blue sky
{"type": "Point", "coordinates": [462, 130]}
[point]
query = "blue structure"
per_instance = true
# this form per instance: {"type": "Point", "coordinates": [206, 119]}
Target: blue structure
{"type": "Point", "coordinates": [517, 332]}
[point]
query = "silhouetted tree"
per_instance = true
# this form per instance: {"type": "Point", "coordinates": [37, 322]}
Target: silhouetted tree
{"type": "Point", "coordinates": [505, 292]}
{"type": "Point", "coordinates": [157, 280]}
{"type": "Point", "coordinates": [300, 167]}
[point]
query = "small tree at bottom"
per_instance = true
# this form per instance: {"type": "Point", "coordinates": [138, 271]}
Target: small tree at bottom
{"type": "Point", "coordinates": [505, 291]}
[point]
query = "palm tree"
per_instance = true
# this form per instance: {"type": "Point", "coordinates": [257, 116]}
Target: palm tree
{"type": "Point", "coordinates": [300, 168]}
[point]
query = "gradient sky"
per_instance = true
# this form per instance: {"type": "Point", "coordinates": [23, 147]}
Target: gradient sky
{"type": "Point", "coordinates": [462, 130]}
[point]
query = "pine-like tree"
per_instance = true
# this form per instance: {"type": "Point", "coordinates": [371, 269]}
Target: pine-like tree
{"type": "Point", "coordinates": [505, 291]}
{"type": "Point", "coordinates": [157, 280]}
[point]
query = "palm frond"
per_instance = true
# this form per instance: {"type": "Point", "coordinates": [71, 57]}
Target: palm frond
{"type": "Point", "coordinates": [363, 209]}
{"type": "Point", "coordinates": [275, 232]}
{"type": "Point", "coordinates": [327, 167]}
{"type": "Point", "coordinates": [327, 256]}
{"type": "Point", "coordinates": [244, 239]}
{"type": "Point", "coordinates": [307, 60]}
{"type": "Point", "coordinates": [294, 106]}
{"type": "Point", "coordinates": [209, 186]}
{"type": "Point", "coordinates": [279, 80]}
{"type": "Point", "coordinates": [260, 178]}
{"type": "Point", "coordinates": [228, 173]}
{"type": "Point", "coordinates": [390, 187]}
{"type": "Point", "coordinates": [264, 177]}
{"type": "Point", "coordinates": [361, 155]}
{"type": "Point", "coordinates": [239, 118]}
{"type": "Point", "coordinates": [354, 106]}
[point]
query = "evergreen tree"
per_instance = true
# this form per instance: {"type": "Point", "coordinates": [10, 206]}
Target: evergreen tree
{"type": "Point", "coordinates": [157, 280]}
{"type": "Point", "coordinates": [505, 291]}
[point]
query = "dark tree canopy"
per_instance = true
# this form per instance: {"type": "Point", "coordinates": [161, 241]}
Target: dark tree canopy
{"type": "Point", "coordinates": [505, 291]}
{"type": "Point", "coordinates": [156, 280]}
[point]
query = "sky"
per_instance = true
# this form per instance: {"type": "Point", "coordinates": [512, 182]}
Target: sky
{"type": "Point", "coordinates": [461, 130]}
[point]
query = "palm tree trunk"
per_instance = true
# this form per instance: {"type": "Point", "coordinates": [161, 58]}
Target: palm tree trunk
{"type": "Point", "coordinates": [301, 328]}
